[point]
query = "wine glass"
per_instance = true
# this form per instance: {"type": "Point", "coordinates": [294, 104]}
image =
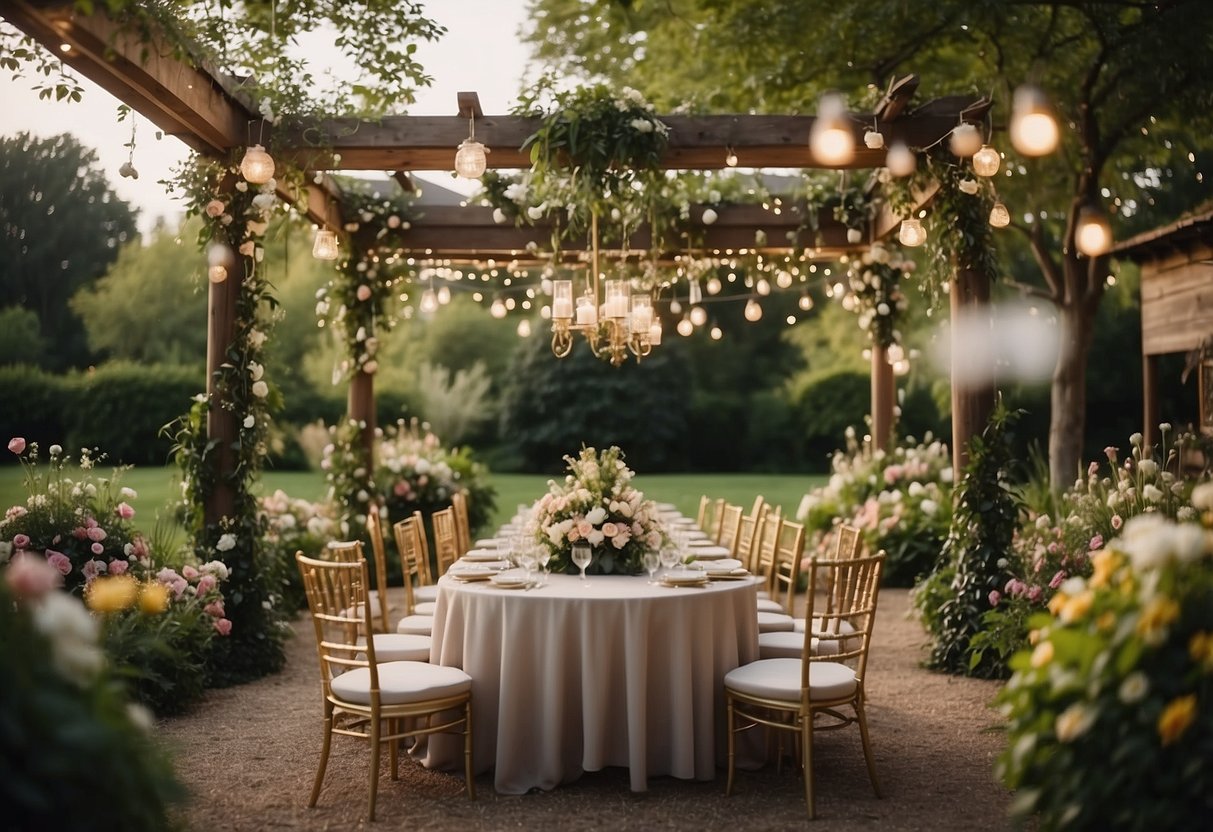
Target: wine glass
{"type": "Point", "coordinates": [526, 559]}
{"type": "Point", "coordinates": [581, 557]}
{"type": "Point", "coordinates": [544, 556]}
{"type": "Point", "coordinates": [651, 560]}
{"type": "Point", "coordinates": [670, 555]}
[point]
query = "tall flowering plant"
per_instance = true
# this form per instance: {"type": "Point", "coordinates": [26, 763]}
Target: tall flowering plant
{"type": "Point", "coordinates": [876, 297]}
{"type": "Point", "coordinates": [596, 503]}
{"type": "Point", "coordinates": [1111, 709]}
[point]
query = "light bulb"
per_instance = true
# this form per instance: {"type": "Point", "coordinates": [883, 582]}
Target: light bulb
{"type": "Point", "coordinates": [753, 310]}
{"type": "Point", "coordinates": [497, 310]}
{"type": "Point", "coordinates": [1000, 217]}
{"type": "Point", "coordinates": [986, 161]}
{"type": "Point", "coordinates": [1033, 129]}
{"type": "Point", "coordinates": [730, 159]}
{"type": "Point", "coordinates": [831, 138]}
{"type": "Point", "coordinates": [912, 233]}
{"type": "Point", "coordinates": [216, 274]}
{"type": "Point", "coordinates": [655, 333]}
{"type": "Point", "coordinates": [257, 166]}
{"type": "Point", "coordinates": [429, 302]}
{"type": "Point", "coordinates": [470, 161]}
{"type": "Point", "coordinates": [524, 328]}
{"type": "Point", "coordinates": [699, 315]}
{"type": "Point", "coordinates": [716, 332]}
{"type": "Point", "coordinates": [714, 285]}
{"type": "Point", "coordinates": [900, 160]}
{"type": "Point", "coordinates": [763, 286]}
{"type": "Point", "coordinates": [444, 295]}
{"type": "Point", "coordinates": [806, 301]}
{"type": "Point", "coordinates": [1093, 235]}
{"type": "Point", "coordinates": [874, 139]}
{"type": "Point", "coordinates": [685, 327]}
{"type": "Point", "coordinates": [965, 140]}
{"type": "Point", "coordinates": [324, 247]}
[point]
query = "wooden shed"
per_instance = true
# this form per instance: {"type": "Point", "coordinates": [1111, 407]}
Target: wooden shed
{"type": "Point", "coordinates": [1176, 306]}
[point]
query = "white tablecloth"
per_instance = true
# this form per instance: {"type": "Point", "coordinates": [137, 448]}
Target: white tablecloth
{"type": "Point", "coordinates": [574, 677]}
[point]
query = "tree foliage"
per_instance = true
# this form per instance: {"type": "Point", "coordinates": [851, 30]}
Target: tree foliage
{"type": "Point", "coordinates": [61, 226]}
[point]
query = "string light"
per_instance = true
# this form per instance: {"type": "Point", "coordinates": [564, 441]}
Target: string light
{"type": "Point", "coordinates": [1000, 217]}
{"type": "Point", "coordinates": [685, 327]}
{"type": "Point", "coordinates": [912, 233]}
{"type": "Point", "coordinates": [753, 310]}
{"type": "Point", "coordinates": [257, 166]}
{"type": "Point", "coordinates": [1033, 129]}
{"type": "Point", "coordinates": [716, 332]}
{"type": "Point", "coordinates": [900, 160]}
{"type": "Point", "coordinates": [965, 140]}
{"type": "Point", "coordinates": [986, 161]}
{"type": "Point", "coordinates": [324, 247]}
{"type": "Point", "coordinates": [1093, 234]}
{"type": "Point", "coordinates": [699, 315]}
{"type": "Point", "coordinates": [831, 138]}
{"type": "Point", "coordinates": [470, 161]}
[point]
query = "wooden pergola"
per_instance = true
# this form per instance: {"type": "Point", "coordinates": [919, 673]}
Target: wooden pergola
{"type": "Point", "coordinates": [211, 114]}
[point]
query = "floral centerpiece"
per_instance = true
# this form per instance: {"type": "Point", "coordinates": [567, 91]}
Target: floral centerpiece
{"type": "Point", "coordinates": [1111, 709]}
{"type": "Point", "coordinates": [596, 503]}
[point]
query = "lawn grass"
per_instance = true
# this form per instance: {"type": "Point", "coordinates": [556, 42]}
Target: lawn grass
{"type": "Point", "coordinates": [158, 488]}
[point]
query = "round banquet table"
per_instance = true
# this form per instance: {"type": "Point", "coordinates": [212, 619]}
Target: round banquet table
{"type": "Point", "coordinates": [573, 677]}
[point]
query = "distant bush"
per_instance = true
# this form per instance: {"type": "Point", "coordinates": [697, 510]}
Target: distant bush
{"type": "Point", "coordinates": [825, 405]}
{"type": "Point", "coordinates": [36, 404]}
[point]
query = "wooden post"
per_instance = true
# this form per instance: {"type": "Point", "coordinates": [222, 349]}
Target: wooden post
{"type": "Point", "coordinates": [971, 405]}
{"type": "Point", "coordinates": [361, 405]}
{"type": "Point", "coordinates": [1149, 396]}
{"type": "Point", "coordinates": [221, 427]}
{"type": "Point", "coordinates": [883, 393]}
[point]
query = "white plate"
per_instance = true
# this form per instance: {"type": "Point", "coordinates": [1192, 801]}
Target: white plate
{"type": "Point", "coordinates": [482, 554]}
{"type": "Point", "coordinates": [721, 565]}
{"type": "Point", "coordinates": [471, 573]}
{"type": "Point", "coordinates": [507, 580]}
{"type": "Point", "coordinates": [699, 539]}
{"type": "Point", "coordinates": [689, 578]}
{"type": "Point", "coordinates": [495, 565]}
{"type": "Point", "coordinates": [709, 553]}
{"type": "Point", "coordinates": [491, 543]}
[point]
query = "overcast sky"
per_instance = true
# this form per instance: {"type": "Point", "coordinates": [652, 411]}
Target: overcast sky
{"type": "Point", "coordinates": [480, 52]}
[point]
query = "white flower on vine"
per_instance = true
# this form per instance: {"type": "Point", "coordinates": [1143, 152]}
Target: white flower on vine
{"type": "Point", "coordinates": [226, 542]}
{"type": "Point", "coordinates": [261, 389]}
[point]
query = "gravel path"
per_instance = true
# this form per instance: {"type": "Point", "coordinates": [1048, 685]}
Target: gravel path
{"type": "Point", "coordinates": [249, 754]}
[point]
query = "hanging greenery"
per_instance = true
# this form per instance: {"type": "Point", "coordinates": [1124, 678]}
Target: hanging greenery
{"type": "Point", "coordinates": [235, 217]}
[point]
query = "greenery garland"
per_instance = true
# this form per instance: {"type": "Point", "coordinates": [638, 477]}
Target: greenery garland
{"type": "Point", "coordinates": [235, 218]}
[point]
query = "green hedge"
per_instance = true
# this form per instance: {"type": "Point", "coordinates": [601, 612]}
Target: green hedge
{"type": "Point", "coordinates": [825, 405]}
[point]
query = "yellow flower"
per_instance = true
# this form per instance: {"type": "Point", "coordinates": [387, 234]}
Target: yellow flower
{"type": "Point", "coordinates": [153, 600]}
{"type": "Point", "coordinates": [1158, 612]}
{"type": "Point", "coordinates": [1073, 722]}
{"type": "Point", "coordinates": [1200, 648]}
{"type": "Point", "coordinates": [1176, 718]}
{"type": "Point", "coordinates": [111, 594]}
{"type": "Point", "coordinates": [1105, 562]}
{"type": "Point", "coordinates": [1043, 654]}
{"type": "Point", "coordinates": [1106, 621]}
{"type": "Point", "coordinates": [1033, 637]}
{"type": "Point", "coordinates": [1076, 607]}
{"type": "Point", "coordinates": [1057, 602]}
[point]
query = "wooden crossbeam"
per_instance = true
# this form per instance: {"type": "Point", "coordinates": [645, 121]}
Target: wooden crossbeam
{"type": "Point", "coordinates": [182, 101]}
{"type": "Point", "coordinates": [696, 142]}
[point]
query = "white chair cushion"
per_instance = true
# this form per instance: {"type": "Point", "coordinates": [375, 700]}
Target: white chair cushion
{"type": "Point", "coordinates": [422, 625]}
{"type": "Point", "coordinates": [767, 605]}
{"type": "Point", "coordinates": [398, 647]}
{"type": "Point", "coordinates": [843, 627]}
{"type": "Point", "coordinates": [763, 595]}
{"type": "Point", "coordinates": [774, 622]}
{"type": "Point", "coordinates": [780, 679]}
{"type": "Point", "coordinates": [401, 683]}
{"type": "Point", "coordinates": [425, 593]}
{"type": "Point", "coordinates": [424, 608]}
{"type": "Point", "coordinates": [790, 645]}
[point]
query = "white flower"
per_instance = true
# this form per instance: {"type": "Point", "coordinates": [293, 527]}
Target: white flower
{"type": "Point", "coordinates": [1147, 467]}
{"type": "Point", "coordinates": [709, 216]}
{"type": "Point", "coordinates": [217, 568]}
{"type": "Point", "coordinates": [1043, 521]}
{"type": "Point", "coordinates": [1135, 439]}
{"type": "Point", "coordinates": [929, 507]}
{"type": "Point", "coordinates": [498, 216]}
{"type": "Point", "coordinates": [128, 493]}
{"type": "Point", "coordinates": [595, 537]}
{"type": "Point", "coordinates": [249, 421]}
{"type": "Point", "coordinates": [1202, 496]}
{"type": "Point", "coordinates": [256, 371]}
{"type": "Point", "coordinates": [56, 450]}
{"type": "Point", "coordinates": [1147, 539]}
{"type": "Point", "coordinates": [596, 515]}
{"type": "Point", "coordinates": [226, 542]}
{"type": "Point", "coordinates": [1134, 688]}
{"type": "Point", "coordinates": [73, 636]}
{"type": "Point", "coordinates": [261, 389]}
{"type": "Point", "coordinates": [641, 125]}
{"type": "Point", "coordinates": [1151, 493]}
{"type": "Point", "coordinates": [1074, 721]}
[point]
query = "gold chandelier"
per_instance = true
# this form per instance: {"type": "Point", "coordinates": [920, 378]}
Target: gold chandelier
{"type": "Point", "coordinates": [614, 323]}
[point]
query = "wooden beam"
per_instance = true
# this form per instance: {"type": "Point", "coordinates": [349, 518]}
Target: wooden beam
{"type": "Point", "coordinates": [182, 101]}
{"type": "Point", "coordinates": [469, 105]}
{"type": "Point", "coordinates": [696, 142]}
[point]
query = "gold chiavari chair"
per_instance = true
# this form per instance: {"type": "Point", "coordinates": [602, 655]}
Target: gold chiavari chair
{"type": "Point", "coordinates": [367, 697]}
{"type": "Point", "coordinates": [463, 531]}
{"type": "Point", "coordinates": [848, 545]}
{"type": "Point", "coordinates": [408, 543]}
{"type": "Point", "coordinates": [446, 539]}
{"type": "Point", "coordinates": [747, 536]}
{"type": "Point", "coordinates": [412, 645]}
{"type": "Point", "coordinates": [730, 527]}
{"type": "Point", "coordinates": [378, 596]}
{"type": "Point", "coordinates": [787, 694]}
{"type": "Point", "coordinates": [705, 518]}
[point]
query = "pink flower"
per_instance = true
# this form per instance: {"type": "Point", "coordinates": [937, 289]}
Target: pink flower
{"type": "Point", "coordinates": [214, 609]}
{"type": "Point", "coordinates": [224, 626]}
{"type": "Point", "coordinates": [96, 548]}
{"type": "Point", "coordinates": [17, 445]}
{"type": "Point", "coordinates": [364, 292]}
{"type": "Point", "coordinates": [1034, 592]}
{"type": "Point", "coordinates": [118, 567]}
{"type": "Point", "coordinates": [125, 511]}
{"type": "Point", "coordinates": [1057, 579]}
{"type": "Point", "coordinates": [1110, 453]}
{"type": "Point", "coordinates": [1092, 469]}
{"type": "Point", "coordinates": [138, 548]}
{"type": "Point", "coordinates": [995, 597]}
{"type": "Point", "coordinates": [214, 208]}
{"type": "Point", "coordinates": [1015, 587]}
{"type": "Point", "coordinates": [1096, 542]}
{"type": "Point", "coordinates": [1117, 522]}
{"type": "Point", "coordinates": [189, 573]}
{"type": "Point", "coordinates": [59, 561]}
{"type": "Point", "coordinates": [20, 541]}
{"type": "Point", "coordinates": [584, 527]}
{"type": "Point", "coordinates": [609, 529]}
{"type": "Point", "coordinates": [205, 584]}
{"type": "Point", "coordinates": [15, 511]}
{"type": "Point", "coordinates": [93, 568]}
{"type": "Point", "coordinates": [30, 576]}
{"type": "Point", "coordinates": [95, 533]}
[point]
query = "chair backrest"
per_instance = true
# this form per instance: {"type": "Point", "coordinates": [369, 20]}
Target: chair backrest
{"type": "Point", "coordinates": [408, 543]}
{"type": "Point", "coordinates": [706, 514]}
{"type": "Point", "coordinates": [848, 545]}
{"type": "Point", "coordinates": [857, 589]}
{"type": "Point", "coordinates": [374, 530]}
{"type": "Point", "coordinates": [333, 588]}
{"type": "Point", "coordinates": [766, 544]}
{"type": "Point", "coordinates": [423, 550]}
{"type": "Point", "coordinates": [747, 537]}
{"type": "Point", "coordinates": [463, 530]}
{"type": "Point", "coordinates": [759, 503]}
{"type": "Point", "coordinates": [446, 540]}
{"type": "Point", "coordinates": [730, 527]}
{"type": "Point", "coordinates": [785, 574]}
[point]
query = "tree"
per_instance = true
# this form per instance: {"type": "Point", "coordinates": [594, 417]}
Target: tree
{"type": "Point", "coordinates": [1129, 80]}
{"type": "Point", "coordinates": [150, 307]}
{"type": "Point", "coordinates": [60, 227]}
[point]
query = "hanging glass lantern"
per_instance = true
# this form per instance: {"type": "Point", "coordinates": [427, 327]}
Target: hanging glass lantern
{"type": "Point", "coordinates": [986, 161]}
{"type": "Point", "coordinates": [912, 233]}
{"type": "Point", "coordinates": [257, 166]}
{"type": "Point", "coordinates": [1033, 129]}
{"type": "Point", "coordinates": [324, 247]}
{"type": "Point", "coordinates": [1000, 217]}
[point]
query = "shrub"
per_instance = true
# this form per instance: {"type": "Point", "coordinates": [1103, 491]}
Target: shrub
{"type": "Point", "coordinates": [829, 402]}
{"type": "Point", "coordinates": [44, 403]}
{"type": "Point", "coordinates": [294, 525]}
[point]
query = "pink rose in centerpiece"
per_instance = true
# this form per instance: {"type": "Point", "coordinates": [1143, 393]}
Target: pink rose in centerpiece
{"type": "Point", "coordinates": [17, 445]}
{"type": "Point", "coordinates": [20, 541]}
{"type": "Point", "coordinates": [95, 533]}
{"type": "Point", "coordinates": [214, 208]}
{"type": "Point", "coordinates": [96, 548]}
{"type": "Point", "coordinates": [125, 511]}
{"type": "Point", "coordinates": [214, 609]}
{"type": "Point", "coordinates": [59, 560]}
{"type": "Point", "coordinates": [609, 529]}
{"type": "Point", "coordinates": [1096, 542]}
{"type": "Point", "coordinates": [223, 626]}
{"type": "Point", "coordinates": [93, 568]}
{"type": "Point", "coordinates": [118, 567]}
{"type": "Point", "coordinates": [205, 584]}
{"type": "Point", "coordinates": [189, 573]}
